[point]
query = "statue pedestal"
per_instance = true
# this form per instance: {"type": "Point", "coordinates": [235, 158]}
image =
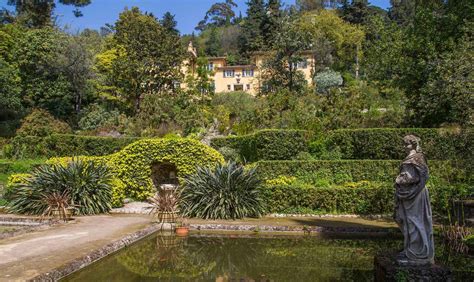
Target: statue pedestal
{"type": "Point", "coordinates": [388, 269]}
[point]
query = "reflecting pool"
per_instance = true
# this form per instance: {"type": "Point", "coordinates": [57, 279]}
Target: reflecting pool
{"type": "Point", "coordinates": [212, 257]}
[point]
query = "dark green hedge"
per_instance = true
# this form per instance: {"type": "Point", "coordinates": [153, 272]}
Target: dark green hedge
{"type": "Point", "coordinates": [386, 143]}
{"type": "Point", "coordinates": [370, 200]}
{"type": "Point", "coordinates": [57, 145]}
{"type": "Point", "coordinates": [268, 144]}
{"type": "Point", "coordinates": [356, 170]}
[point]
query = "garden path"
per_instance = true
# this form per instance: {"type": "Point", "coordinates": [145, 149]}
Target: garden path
{"type": "Point", "coordinates": [31, 254]}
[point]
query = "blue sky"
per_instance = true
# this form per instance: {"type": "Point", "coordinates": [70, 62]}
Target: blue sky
{"type": "Point", "coordinates": [187, 12]}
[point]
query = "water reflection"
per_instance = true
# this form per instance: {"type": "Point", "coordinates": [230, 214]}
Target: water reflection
{"type": "Point", "coordinates": [210, 257]}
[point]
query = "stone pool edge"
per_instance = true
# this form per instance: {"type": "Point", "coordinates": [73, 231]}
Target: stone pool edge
{"type": "Point", "coordinates": [80, 263]}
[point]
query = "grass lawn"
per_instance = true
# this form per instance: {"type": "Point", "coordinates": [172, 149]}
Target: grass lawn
{"type": "Point", "coordinates": [8, 167]}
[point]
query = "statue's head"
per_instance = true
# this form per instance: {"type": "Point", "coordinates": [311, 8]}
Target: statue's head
{"type": "Point", "coordinates": [412, 142]}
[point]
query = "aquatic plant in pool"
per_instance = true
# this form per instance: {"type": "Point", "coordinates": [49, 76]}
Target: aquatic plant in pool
{"type": "Point", "coordinates": [207, 257]}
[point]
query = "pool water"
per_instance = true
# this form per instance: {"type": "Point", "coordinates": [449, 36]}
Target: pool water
{"type": "Point", "coordinates": [212, 257]}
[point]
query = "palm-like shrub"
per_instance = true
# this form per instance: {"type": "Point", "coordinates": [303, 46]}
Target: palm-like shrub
{"type": "Point", "coordinates": [227, 191]}
{"type": "Point", "coordinates": [86, 183]}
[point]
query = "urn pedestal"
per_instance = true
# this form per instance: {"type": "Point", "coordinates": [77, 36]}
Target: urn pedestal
{"type": "Point", "coordinates": [387, 268]}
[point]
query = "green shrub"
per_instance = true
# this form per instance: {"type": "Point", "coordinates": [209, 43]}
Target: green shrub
{"type": "Point", "coordinates": [227, 191]}
{"type": "Point", "coordinates": [87, 184]}
{"type": "Point", "coordinates": [341, 171]}
{"type": "Point", "coordinates": [41, 123]}
{"type": "Point", "coordinates": [386, 143]}
{"type": "Point", "coordinates": [229, 154]}
{"type": "Point", "coordinates": [133, 164]}
{"type": "Point", "coordinates": [57, 145]}
{"type": "Point", "coordinates": [96, 117]}
{"type": "Point", "coordinates": [267, 144]}
{"type": "Point", "coordinates": [291, 198]}
{"type": "Point", "coordinates": [359, 198]}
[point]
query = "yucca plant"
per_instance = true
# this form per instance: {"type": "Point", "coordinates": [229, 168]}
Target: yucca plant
{"type": "Point", "coordinates": [165, 206]}
{"type": "Point", "coordinates": [227, 191]}
{"type": "Point", "coordinates": [58, 204]}
{"type": "Point", "coordinates": [87, 184]}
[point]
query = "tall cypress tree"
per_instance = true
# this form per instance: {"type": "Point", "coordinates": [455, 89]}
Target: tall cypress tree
{"type": "Point", "coordinates": [213, 44]}
{"type": "Point", "coordinates": [271, 23]}
{"type": "Point", "coordinates": [251, 37]}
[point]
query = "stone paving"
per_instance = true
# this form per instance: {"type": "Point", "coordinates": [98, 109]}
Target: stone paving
{"type": "Point", "coordinates": [134, 207]}
{"type": "Point", "coordinates": [26, 256]}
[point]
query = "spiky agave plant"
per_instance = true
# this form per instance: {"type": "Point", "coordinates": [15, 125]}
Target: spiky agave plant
{"type": "Point", "coordinates": [87, 184]}
{"type": "Point", "coordinates": [227, 191]}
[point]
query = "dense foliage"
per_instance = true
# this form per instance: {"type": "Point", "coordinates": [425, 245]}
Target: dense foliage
{"type": "Point", "coordinates": [226, 191]}
{"type": "Point", "coordinates": [86, 184]}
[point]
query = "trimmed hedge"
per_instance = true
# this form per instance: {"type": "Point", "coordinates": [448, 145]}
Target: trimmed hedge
{"type": "Point", "coordinates": [271, 144]}
{"type": "Point", "coordinates": [57, 145]}
{"type": "Point", "coordinates": [369, 143]}
{"type": "Point", "coordinates": [361, 200]}
{"type": "Point", "coordinates": [339, 171]}
{"type": "Point", "coordinates": [133, 164]}
{"type": "Point", "coordinates": [387, 143]}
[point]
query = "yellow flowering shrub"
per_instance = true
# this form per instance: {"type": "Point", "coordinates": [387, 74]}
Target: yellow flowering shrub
{"type": "Point", "coordinates": [132, 165]}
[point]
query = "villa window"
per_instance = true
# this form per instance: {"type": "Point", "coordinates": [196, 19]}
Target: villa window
{"type": "Point", "coordinates": [228, 87]}
{"type": "Point", "coordinates": [303, 64]}
{"type": "Point", "coordinates": [248, 86]}
{"type": "Point", "coordinates": [210, 67]}
{"type": "Point", "coordinates": [300, 65]}
{"type": "Point", "coordinates": [229, 73]}
{"type": "Point", "coordinates": [247, 72]}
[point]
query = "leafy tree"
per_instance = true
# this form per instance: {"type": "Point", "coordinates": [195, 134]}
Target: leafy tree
{"type": "Point", "coordinates": [339, 43]}
{"type": "Point", "coordinates": [44, 84]}
{"type": "Point", "coordinates": [383, 48]}
{"type": "Point", "coordinates": [252, 38]}
{"type": "Point", "coordinates": [448, 93]}
{"type": "Point", "coordinates": [141, 59]}
{"type": "Point", "coordinates": [280, 70]}
{"type": "Point", "coordinates": [200, 85]}
{"type": "Point", "coordinates": [220, 14]}
{"type": "Point", "coordinates": [10, 90]}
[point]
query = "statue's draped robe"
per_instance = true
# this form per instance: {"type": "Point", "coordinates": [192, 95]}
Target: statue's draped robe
{"type": "Point", "coordinates": [413, 210]}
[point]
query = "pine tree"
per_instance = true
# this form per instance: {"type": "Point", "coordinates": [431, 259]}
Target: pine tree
{"type": "Point", "coordinates": [169, 23]}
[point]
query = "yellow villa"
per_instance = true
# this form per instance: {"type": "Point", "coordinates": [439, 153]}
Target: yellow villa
{"type": "Point", "coordinates": [227, 78]}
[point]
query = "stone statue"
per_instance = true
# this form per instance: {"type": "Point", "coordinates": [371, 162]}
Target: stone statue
{"type": "Point", "coordinates": [412, 206]}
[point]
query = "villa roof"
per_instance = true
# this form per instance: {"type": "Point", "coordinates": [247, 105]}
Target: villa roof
{"type": "Point", "coordinates": [216, 58]}
{"type": "Point", "coordinates": [236, 67]}
{"type": "Point", "coordinates": [263, 53]}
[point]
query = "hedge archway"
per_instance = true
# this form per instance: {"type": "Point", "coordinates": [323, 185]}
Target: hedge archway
{"type": "Point", "coordinates": [133, 164]}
